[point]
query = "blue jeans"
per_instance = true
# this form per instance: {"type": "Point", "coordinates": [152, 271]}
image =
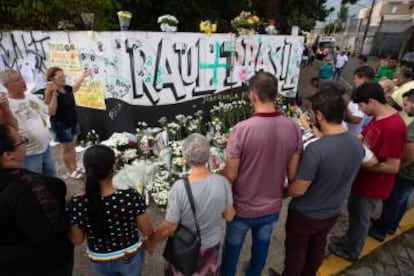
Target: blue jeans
{"type": "Point", "coordinates": [126, 266]}
{"type": "Point", "coordinates": [338, 73]}
{"type": "Point", "coordinates": [236, 231]}
{"type": "Point", "coordinates": [394, 207]}
{"type": "Point", "coordinates": [360, 211]}
{"type": "Point", "coordinates": [41, 163]}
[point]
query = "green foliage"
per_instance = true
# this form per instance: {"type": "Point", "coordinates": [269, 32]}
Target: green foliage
{"type": "Point", "coordinates": [46, 14]}
{"type": "Point", "coordinates": [343, 2]}
{"type": "Point", "coordinates": [343, 14]}
{"type": "Point", "coordinates": [304, 13]}
{"type": "Point", "coordinates": [335, 27]}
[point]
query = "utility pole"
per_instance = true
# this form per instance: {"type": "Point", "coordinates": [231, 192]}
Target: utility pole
{"type": "Point", "coordinates": [367, 26]}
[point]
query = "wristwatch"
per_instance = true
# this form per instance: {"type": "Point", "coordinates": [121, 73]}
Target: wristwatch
{"type": "Point", "coordinates": [55, 94]}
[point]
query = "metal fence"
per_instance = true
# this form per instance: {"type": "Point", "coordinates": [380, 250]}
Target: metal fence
{"type": "Point", "coordinates": [387, 43]}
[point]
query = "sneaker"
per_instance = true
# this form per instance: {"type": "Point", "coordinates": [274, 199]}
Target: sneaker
{"type": "Point", "coordinates": [76, 175]}
{"type": "Point", "coordinates": [375, 235]}
{"type": "Point", "coordinates": [272, 272]}
{"type": "Point", "coordinates": [340, 240]}
{"type": "Point", "coordinates": [341, 252]}
{"type": "Point", "coordinates": [391, 232]}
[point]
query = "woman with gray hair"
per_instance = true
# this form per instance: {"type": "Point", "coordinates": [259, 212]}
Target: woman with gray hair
{"type": "Point", "coordinates": [212, 198]}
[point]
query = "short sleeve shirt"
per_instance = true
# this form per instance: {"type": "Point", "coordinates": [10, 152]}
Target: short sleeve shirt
{"type": "Point", "coordinates": [31, 115]}
{"type": "Point", "coordinates": [121, 210]}
{"type": "Point", "coordinates": [211, 196]}
{"type": "Point", "coordinates": [325, 71]}
{"type": "Point", "coordinates": [340, 61]}
{"type": "Point", "coordinates": [386, 138]}
{"type": "Point", "coordinates": [265, 144]}
{"type": "Point", "coordinates": [331, 164]}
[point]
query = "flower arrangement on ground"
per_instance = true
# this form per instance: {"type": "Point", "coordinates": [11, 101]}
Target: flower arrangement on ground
{"type": "Point", "coordinates": [246, 23]}
{"type": "Point", "coordinates": [160, 186]}
{"type": "Point", "coordinates": [168, 23]}
{"type": "Point", "coordinates": [92, 138]}
{"type": "Point", "coordinates": [208, 27]}
{"type": "Point", "coordinates": [125, 147]}
{"type": "Point", "coordinates": [124, 18]}
{"type": "Point", "coordinates": [152, 159]}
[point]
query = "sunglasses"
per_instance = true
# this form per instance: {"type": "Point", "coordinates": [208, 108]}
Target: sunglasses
{"type": "Point", "coordinates": [23, 141]}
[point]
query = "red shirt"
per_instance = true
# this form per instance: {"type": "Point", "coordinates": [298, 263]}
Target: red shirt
{"type": "Point", "coordinates": [386, 138]}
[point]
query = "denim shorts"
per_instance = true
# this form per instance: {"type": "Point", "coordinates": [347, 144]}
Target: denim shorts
{"type": "Point", "coordinates": [64, 133]}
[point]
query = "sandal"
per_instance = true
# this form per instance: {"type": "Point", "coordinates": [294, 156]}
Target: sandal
{"type": "Point", "coordinates": [76, 175]}
{"type": "Point", "coordinates": [80, 170]}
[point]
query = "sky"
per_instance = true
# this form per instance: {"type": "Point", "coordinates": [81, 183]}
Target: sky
{"type": "Point", "coordinates": [353, 9]}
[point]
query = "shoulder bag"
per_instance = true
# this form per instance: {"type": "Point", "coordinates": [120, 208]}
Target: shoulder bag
{"type": "Point", "coordinates": [182, 248]}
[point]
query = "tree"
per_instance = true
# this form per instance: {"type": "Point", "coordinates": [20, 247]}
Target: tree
{"type": "Point", "coordinates": [333, 28]}
{"type": "Point", "coordinates": [343, 2]}
{"type": "Point", "coordinates": [303, 13]}
{"type": "Point", "coordinates": [18, 14]}
{"type": "Point", "coordinates": [45, 15]}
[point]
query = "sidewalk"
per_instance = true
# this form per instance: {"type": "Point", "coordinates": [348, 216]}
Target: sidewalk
{"type": "Point", "coordinates": [394, 256]}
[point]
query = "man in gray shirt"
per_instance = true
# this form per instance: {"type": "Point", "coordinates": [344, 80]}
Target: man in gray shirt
{"type": "Point", "coordinates": [324, 177]}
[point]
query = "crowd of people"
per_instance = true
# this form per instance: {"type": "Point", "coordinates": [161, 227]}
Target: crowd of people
{"type": "Point", "coordinates": [363, 154]}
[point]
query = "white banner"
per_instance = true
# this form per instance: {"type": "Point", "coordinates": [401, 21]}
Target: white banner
{"type": "Point", "coordinates": [150, 68]}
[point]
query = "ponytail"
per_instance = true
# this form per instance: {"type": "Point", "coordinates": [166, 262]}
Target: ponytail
{"type": "Point", "coordinates": [98, 161]}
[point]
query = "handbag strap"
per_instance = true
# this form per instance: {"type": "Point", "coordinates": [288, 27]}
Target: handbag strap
{"type": "Point", "coordinates": [191, 199]}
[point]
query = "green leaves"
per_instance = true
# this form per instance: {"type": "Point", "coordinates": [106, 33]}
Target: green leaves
{"type": "Point", "coordinates": [45, 15]}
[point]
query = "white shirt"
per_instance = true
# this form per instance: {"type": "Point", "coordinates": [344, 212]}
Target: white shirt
{"type": "Point", "coordinates": [340, 61]}
{"type": "Point", "coordinates": [31, 115]}
{"type": "Point", "coordinates": [355, 129]}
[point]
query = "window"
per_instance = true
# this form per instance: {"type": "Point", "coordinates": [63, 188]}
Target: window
{"type": "Point", "coordinates": [393, 8]}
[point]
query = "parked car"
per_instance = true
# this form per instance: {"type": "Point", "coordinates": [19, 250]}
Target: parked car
{"type": "Point", "coordinates": [408, 59]}
{"type": "Point", "coordinates": [325, 45]}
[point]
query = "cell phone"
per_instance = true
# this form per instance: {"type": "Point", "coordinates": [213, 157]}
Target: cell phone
{"type": "Point", "coordinates": [311, 117]}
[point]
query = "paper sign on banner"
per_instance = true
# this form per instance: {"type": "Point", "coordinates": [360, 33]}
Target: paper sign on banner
{"type": "Point", "coordinates": [91, 94]}
{"type": "Point", "coordinates": [65, 56]}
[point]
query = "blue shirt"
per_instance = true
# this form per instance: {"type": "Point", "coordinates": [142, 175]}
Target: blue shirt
{"type": "Point", "coordinates": [325, 71]}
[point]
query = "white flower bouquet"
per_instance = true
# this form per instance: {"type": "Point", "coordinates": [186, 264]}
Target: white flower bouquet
{"type": "Point", "coordinates": [160, 186]}
{"type": "Point", "coordinates": [92, 138]}
{"type": "Point", "coordinates": [168, 23]}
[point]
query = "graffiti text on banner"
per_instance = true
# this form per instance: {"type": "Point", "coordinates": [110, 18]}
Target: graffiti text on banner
{"type": "Point", "coordinates": [150, 69]}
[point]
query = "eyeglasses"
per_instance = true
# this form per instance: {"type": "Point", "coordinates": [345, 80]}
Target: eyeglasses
{"type": "Point", "coordinates": [60, 77]}
{"type": "Point", "coordinates": [23, 141]}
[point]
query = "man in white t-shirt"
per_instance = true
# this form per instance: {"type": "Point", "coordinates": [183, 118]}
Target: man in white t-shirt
{"type": "Point", "coordinates": [32, 116]}
{"type": "Point", "coordinates": [340, 62]}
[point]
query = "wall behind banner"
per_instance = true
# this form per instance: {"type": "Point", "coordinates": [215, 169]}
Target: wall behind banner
{"type": "Point", "coordinates": [146, 75]}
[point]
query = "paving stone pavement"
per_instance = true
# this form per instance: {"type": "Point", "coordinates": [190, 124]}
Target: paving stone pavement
{"type": "Point", "coordinates": [395, 258]}
{"type": "Point", "coordinates": [154, 263]}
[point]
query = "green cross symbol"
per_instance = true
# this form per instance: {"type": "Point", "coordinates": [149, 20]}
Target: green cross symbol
{"type": "Point", "coordinates": [216, 65]}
